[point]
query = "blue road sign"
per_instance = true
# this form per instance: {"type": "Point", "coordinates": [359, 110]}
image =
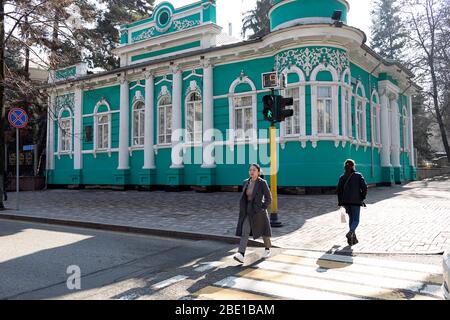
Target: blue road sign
{"type": "Point", "coordinates": [18, 118]}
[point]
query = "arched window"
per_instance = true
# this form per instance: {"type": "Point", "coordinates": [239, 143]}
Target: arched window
{"type": "Point", "coordinates": [194, 117]}
{"type": "Point", "coordinates": [102, 126]}
{"type": "Point", "coordinates": [325, 87]}
{"type": "Point", "coordinates": [165, 119]}
{"type": "Point", "coordinates": [360, 98]}
{"type": "Point", "coordinates": [242, 104]}
{"type": "Point", "coordinates": [405, 124]}
{"type": "Point", "coordinates": [376, 117]}
{"type": "Point", "coordinates": [138, 123]}
{"type": "Point", "coordinates": [65, 131]}
{"type": "Point", "coordinates": [295, 88]}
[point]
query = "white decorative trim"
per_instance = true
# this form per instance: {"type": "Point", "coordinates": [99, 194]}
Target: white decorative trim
{"type": "Point", "coordinates": [164, 79]}
{"type": "Point", "coordinates": [193, 74]}
{"type": "Point", "coordinates": [96, 150]}
{"type": "Point", "coordinates": [309, 20]}
{"type": "Point", "coordinates": [232, 132]}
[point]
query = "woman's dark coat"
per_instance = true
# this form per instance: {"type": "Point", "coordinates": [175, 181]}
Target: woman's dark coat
{"type": "Point", "coordinates": [258, 215]}
{"type": "Point", "coordinates": [352, 189]}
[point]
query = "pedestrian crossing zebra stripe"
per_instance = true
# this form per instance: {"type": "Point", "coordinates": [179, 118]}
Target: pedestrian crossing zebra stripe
{"type": "Point", "coordinates": [335, 286]}
{"type": "Point", "coordinates": [316, 276]}
{"type": "Point", "coordinates": [366, 261]}
{"type": "Point", "coordinates": [363, 269]}
{"type": "Point", "coordinates": [351, 277]}
{"type": "Point", "coordinates": [279, 290]}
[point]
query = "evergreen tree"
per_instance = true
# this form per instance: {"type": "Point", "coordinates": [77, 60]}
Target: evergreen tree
{"type": "Point", "coordinates": [105, 37]}
{"type": "Point", "coordinates": [257, 20]}
{"type": "Point", "coordinates": [388, 31]}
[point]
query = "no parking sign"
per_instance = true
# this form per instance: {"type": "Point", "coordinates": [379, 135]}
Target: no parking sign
{"type": "Point", "coordinates": [18, 118]}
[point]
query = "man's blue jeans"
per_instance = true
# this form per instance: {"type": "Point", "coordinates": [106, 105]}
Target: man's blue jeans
{"type": "Point", "coordinates": [353, 213]}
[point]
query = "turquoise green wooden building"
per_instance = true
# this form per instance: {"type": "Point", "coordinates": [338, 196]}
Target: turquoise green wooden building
{"type": "Point", "coordinates": [185, 106]}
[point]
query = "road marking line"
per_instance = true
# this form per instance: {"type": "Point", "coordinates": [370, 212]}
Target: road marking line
{"type": "Point", "coordinates": [356, 278]}
{"type": "Point", "coordinates": [168, 282]}
{"type": "Point", "coordinates": [217, 293]}
{"type": "Point", "coordinates": [280, 290]}
{"type": "Point", "coordinates": [364, 269]}
{"type": "Point", "coordinates": [367, 261]}
{"type": "Point", "coordinates": [338, 287]}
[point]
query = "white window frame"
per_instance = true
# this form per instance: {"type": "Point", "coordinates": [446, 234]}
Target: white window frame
{"type": "Point", "coordinates": [197, 125]}
{"type": "Point", "coordinates": [300, 85]}
{"type": "Point", "coordinates": [62, 119]}
{"type": "Point", "coordinates": [334, 84]}
{"type": "Point", "coordinates": [346, 105]}
{"type": "Point", "coordinates": [140, 124]}
{"type": "Point", "coordinates": [363, 100]}
{"type": "Point", "coordinates": [405, 125]}
{"type": "Point", "coordinates": [376, 119]}
{"type": "Point", "coordinates": [232, 124]}
{"type": "Point", "coordinates": [167, 124]}
{"type": "Point", "coordinates": [97, 115]}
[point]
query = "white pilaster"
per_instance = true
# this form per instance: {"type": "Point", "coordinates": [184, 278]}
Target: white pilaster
{"type": "Point", "coordinates": [412, 161]}
{"type": "Point", "coordinates": [149, 155]}
{"type": "Point", "coordinates": [124, 135]}
{"type": "Point", "coordinates": [385, 132]}
{"type": "Point", "coordinates": [208, 116]}
{"type": "Point", "coordinates": [395, 147]}
{"type": "Point", "coordinates": [77, 130]}
{"type": "Point", "coordinates": [177, 133]}
{"type": "Point", "coordinates": [51, 117]}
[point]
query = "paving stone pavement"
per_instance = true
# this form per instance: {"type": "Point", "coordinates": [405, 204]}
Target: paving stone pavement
{"type": "Point", "coordinates": [413, 218]}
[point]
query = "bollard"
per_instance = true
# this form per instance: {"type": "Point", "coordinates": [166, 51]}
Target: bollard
{"type": "Point", "coordinates": [446, 284]}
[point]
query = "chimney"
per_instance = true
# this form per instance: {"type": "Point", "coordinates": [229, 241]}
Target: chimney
{"type": "Point", "coordinates": [230, 29]}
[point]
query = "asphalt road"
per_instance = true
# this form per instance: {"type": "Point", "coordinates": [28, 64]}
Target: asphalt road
{"type": "Point", "coordinates": [34, 262]}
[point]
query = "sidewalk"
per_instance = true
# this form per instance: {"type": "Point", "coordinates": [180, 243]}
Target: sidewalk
{"type": "Point", "coordinates": [414, 218]}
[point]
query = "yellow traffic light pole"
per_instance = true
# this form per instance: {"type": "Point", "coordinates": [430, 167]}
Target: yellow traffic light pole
{"type": "Point", "coordinates": [273, 176]}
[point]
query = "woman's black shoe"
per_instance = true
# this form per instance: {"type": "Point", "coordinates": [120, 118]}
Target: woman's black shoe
{"type": "Point", "coordinates": [349, 238]}
{"type": "Point", "coordinates": [354, 239]}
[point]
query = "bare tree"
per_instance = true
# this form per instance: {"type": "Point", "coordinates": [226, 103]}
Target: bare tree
{"type": "Point", "coordinates": [428, 36]}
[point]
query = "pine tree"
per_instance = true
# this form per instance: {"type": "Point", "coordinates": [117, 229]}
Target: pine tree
{"type": "Point", "coordinates": [257, 20]}
{"type": "Point", "coordinates": [388, 30]}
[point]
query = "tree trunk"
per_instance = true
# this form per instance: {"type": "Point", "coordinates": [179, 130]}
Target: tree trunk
{"type": "Point", "coordinates": [2, 99]}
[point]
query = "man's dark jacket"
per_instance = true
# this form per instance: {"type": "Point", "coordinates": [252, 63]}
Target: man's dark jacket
{"type": "Point", "coordinates": [352, 189]}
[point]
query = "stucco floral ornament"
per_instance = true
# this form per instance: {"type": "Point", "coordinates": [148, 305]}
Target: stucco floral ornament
{"type": "Point", "coordinates": [309, 58]}
{"type": "Point", "coordinates": [184, 24]}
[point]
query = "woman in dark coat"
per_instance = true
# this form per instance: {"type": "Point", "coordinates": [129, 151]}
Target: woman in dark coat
{"type": "Point", "coordinates": [253, 216]}
{"type": "Point", "coordinates": [352, 191]}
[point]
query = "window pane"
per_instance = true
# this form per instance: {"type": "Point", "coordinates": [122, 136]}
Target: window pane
{"type": "Point", "coordinates": [320, 115]}
{"type": "Point", "coordinates": [238, 119]}
{"type": "Point", "coordinates": [248, 119]}
{"type": "Point", "coordinates": [328, 116]}
{"type": "Point", "coordinates": [324, 92]}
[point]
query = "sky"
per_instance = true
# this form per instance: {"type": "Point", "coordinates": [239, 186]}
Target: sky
{"type": "Point", "coordinates": [232, 11]}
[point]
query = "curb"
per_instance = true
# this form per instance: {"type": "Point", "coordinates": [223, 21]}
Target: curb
{"type": "Point", "coordinates": [129, 229]}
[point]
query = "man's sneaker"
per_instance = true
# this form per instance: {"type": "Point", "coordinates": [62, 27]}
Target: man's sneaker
{"type": "Point", "coordinates": [266, 254]}
{"type": "Point", "coordinates": [239, 257]}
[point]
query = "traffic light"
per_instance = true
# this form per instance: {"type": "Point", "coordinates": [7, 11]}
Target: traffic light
{"type": "Point", "coordinates": [282, 112]}
{"type": "Point", "coordinates": [275, 108]}
{"type": "Point", "coordinates": [269, 108]}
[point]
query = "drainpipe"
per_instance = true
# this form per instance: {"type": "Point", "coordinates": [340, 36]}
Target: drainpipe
{"type": "Point", "coordinates": [370, 101]}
